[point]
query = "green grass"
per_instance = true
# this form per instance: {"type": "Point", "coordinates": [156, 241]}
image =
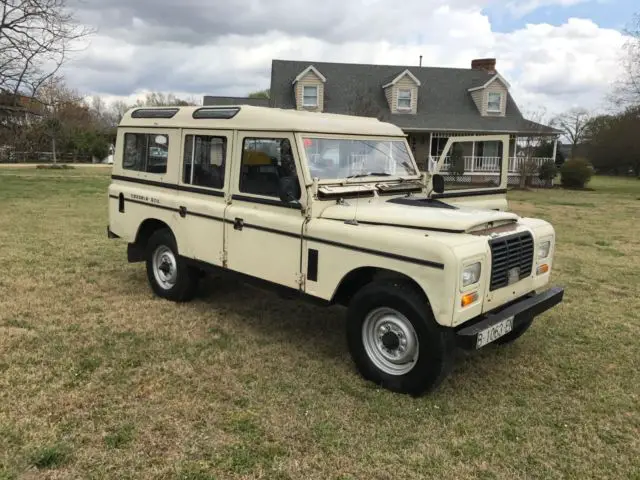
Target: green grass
{"type": "Point", "coordinates": [100, 379]}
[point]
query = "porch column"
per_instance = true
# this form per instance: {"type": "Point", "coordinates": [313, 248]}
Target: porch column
{"type": "Point", "coordinates": [473, 155]}
{"type": "Point", "coordinates": [555, 148]}
{"type": "Point", "coordinates": [429, 166]}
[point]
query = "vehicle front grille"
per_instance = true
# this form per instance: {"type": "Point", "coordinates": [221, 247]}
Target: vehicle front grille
{"type": "Point", "coordinates": [507, 253]}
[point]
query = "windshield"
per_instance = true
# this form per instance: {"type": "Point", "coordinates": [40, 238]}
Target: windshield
{"type": "Point", "coordinates": [339, 158]}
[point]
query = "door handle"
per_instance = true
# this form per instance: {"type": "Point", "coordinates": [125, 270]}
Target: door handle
{"type": "Point", "coordinates": [182, 211]}
{"type": "Point", "coordinates": [238, 224]}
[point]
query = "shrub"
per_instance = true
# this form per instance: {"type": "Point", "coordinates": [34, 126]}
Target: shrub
{"type": "Point", "coordinates": [575, 173]}
{"type": "Point", "coordinates": [547, 171]}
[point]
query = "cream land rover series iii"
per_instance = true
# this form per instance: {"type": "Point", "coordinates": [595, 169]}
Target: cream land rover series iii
{"type": "Point", "coordinates": [334, 208]}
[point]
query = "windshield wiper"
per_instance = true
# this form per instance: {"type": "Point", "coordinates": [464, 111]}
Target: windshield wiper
{"type": "Point", "coordinates": [370, 174]}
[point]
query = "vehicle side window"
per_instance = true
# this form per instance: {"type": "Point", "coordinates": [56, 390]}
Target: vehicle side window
{"type": "Point", "coordinates": [146, 152]}
{"type": "Point", "coordinates": [264, 162]}
{"type": "Point", "coordinates": [204, 160]}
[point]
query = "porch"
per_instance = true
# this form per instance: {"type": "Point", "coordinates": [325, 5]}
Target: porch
{"type": "Point", "coordinates": [480, 157]}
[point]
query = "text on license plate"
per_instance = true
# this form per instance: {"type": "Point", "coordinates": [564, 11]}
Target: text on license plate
{"type": "Point", "coordinates": [494, 332]}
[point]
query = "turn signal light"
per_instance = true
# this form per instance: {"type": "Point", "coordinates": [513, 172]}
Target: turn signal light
{"type": "Point", "coordinates": [544, 268]}
{"type": "Point", "coordinates": [469, 298]}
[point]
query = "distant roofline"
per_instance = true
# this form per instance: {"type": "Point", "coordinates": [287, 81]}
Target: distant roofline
{"type": "Point", "coordinates": [405, 66]}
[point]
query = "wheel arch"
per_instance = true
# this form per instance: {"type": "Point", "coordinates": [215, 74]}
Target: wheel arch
{"type": "Point", "coordinates": [136, 250]}
{"type": "Point", "coordinates": [357, 278]}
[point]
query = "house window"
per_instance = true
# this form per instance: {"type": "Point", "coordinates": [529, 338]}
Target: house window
{"type": "Point", "coordinates": [146, 152]}
{"type": "Point", "coordinates": [204, 164]}
{"type": "Point", "coordinates": [264, 162]}
{"type": "Point", "coordinates": [404, 99]}
{"type": "Point", "coordinates": [310, 96]}
{"type": "Point", "coordinates": [494, 102]}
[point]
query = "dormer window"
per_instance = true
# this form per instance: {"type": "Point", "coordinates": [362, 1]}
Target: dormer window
{"type": "Point", "coordinates": [494, 102]}
{"type": "Point", "coordinates": [404, 99]}
{"type": "Point", "coordinates": [310, 96]}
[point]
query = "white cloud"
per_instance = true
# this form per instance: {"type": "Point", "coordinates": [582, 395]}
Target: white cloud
{"type": "Point", "coordinates": [184, 51]}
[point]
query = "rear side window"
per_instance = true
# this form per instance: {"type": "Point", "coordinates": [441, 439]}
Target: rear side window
{"type": "Point", "coordinates": [204, 160]}
{"type": "Point", "coordinates": [146, 152]}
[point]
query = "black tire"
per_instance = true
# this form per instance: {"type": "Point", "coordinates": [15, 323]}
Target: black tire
{"type": "Point", "coordinates": [436, 345]}
{"type": "Point", "coordinates": [186, 282]}
{"type": "Point", "coordinates": [514, 334]}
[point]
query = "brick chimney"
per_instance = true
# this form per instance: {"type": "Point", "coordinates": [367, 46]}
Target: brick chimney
{"type": "Point", "coordinates": [486, 64]}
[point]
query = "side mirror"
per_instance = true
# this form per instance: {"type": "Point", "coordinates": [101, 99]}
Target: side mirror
{"type": "Point", "coordinates": [438, 183]}
{"type": "Point", "coordinates": [289, 189]}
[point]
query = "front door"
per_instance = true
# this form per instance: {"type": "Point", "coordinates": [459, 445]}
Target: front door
{"type": "Point", "coordinates": [263, 234]}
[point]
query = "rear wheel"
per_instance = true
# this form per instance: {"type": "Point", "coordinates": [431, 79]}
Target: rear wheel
{"type": "Point", "coordinates": [169, 276]}
{"type": "Point", "coordinates": [394, 339]}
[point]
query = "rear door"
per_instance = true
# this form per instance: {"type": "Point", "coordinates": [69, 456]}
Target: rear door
{"type": "Point", "coordinates": [475, 170]}
{"type": "Point", "coordinates": [203, 178]}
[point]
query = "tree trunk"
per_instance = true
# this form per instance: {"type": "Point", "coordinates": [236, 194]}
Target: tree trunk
{"type": "Point", "coordinates": [53, 149]}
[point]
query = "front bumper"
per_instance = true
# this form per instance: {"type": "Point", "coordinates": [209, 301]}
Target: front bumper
{"type": "Point", "coordinates": [522, 310]}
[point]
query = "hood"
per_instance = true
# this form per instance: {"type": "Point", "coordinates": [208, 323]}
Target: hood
{"type": "Point", "coordinates": [418, 214]}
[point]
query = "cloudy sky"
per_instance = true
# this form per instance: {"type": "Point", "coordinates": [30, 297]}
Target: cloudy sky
{"type": "Point", "coordinates": [555, 53]}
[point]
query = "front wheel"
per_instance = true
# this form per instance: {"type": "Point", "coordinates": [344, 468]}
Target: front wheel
{"type": "Point", "coordinates": [169, 276]}
{"type": "Point", "coordinates": [394, 339]}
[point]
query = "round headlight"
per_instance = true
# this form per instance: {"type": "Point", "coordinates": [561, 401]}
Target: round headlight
{"type": "Point", "coordinates": [471, 274]}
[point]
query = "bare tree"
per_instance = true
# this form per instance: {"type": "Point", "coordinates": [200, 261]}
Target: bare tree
{"type": "Point", "coordinates": [526, 165]}
{"type": "Point", "coordinates": [574, 124]}
{"type": "Point", "coordinates": [63, 110]}
{"type": "Point", "coordinates": [627, 90]}
{"type": "Point", "coordinates": [36, 37]}
{"type": "Point", "coordinates": [159, 99]}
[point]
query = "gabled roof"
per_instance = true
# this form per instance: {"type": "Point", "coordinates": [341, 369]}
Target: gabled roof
{"type": "Point", "coordinates": [310, 68]}
{"type": "Point", "coordinates": [497, 76]}
{"type": "Point", "coordinates": [444, 103]}
{"type": "Point", "coordinates": [401, 76]}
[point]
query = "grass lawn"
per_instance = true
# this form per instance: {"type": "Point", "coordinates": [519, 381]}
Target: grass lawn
{"type": "Point", "coordinates": [99, 379]}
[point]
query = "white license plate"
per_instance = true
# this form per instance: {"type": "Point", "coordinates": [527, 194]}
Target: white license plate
{"type": "Point", "coordinates": [494, 332]}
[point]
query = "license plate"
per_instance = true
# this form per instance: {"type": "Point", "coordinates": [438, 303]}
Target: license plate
{"type": "Point", "coordinates": [494, 332]}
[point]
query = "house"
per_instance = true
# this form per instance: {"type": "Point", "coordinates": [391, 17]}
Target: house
{"type": "Point", "coordinates": [430, 104]}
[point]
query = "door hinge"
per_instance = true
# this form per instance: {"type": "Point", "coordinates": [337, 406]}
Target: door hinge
{"type": "Point", "coordinates": [224, 258]}
{"type": "Point", "coordinates": [300, 280]}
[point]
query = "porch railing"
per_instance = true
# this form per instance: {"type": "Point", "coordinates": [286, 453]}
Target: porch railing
{"type": "Point", "coordinates": [492, 164]}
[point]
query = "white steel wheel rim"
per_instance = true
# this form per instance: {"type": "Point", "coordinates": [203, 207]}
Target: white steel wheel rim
{"type": "Point", "coordinates": [390, 341]}
{"type": "Point", "coordinates": [165, 267]}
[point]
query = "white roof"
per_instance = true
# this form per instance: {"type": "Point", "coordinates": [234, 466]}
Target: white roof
{"type": "Point", "coordinates": [263, 118]}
